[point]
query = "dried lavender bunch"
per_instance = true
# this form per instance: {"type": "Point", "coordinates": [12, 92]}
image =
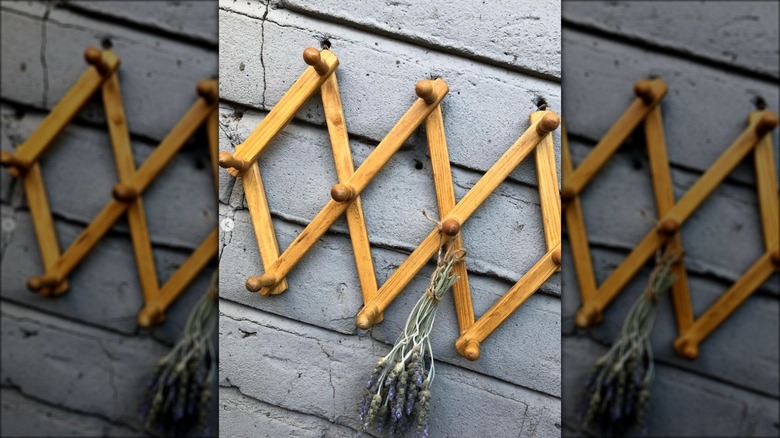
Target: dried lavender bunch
{"type": "Point", "coordinates": [398, 392]}
{"type": "Point", "coordinates": [179, 394]}
{"type": "Point", "coordinates": [618, 392]}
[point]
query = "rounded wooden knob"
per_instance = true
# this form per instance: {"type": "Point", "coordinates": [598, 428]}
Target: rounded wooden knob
{"type": "Point", "coordinates": [365, 319]}
{"type": "Point", "coordinates": [649, 90]}
{"type": "Point", "coordinates": [92, 55]}
{"type": "Point", "coordinates": [669, 227]}
{"type": "Point", "coordinates": [471, 350]}
{"type": "Point", "coordinates": [342, 193]}
{"type": "Point", "coordinates": [424, 90]}
{"type": "Point", "coordinates": [255, 283]}
{"type": "Point", "coordinates": [556, 257]}
{"type": "Point", "coordinates": [38, 283]}
{"type": "Point", "coordinates": [767, 123]}
{"type": "Point", "coordinates": [208, 90]}
{"type": "Point", "coordinates": [450, 227]}
{"type": "Point", "coordinates": [8, 159]}
{"type": "Point", "coordinates": [312, 57]}
{"type": "Point", "coordinates": [587, 315]}
{"type": "Point", "coordinates": [776, 258]}
{"type": "Point", "coordinates": [149, 316]}
{"type": "Point", "coordinates": [686, 348]}
{"type": "Point", "coordinates": [226, 160]}
{"type": "Point", "coordinates": [124, 193]}
{"type": "Point", "coordinates": [549, 122]}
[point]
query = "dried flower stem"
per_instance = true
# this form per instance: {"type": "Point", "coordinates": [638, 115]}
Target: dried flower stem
{"type": "Point", "coordinates": [618, 392]}
{"type": "Point", "coordinates": [399, 388]}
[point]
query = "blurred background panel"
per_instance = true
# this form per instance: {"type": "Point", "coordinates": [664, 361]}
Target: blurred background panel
{"type": "Point", "coordinates": [297, 358]}
{"type": "Point", "coordinates": [78, 364]}
{"type": "Point", "coordinates": [720, 61]}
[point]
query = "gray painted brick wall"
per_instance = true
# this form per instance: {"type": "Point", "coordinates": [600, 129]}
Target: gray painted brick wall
{"type": "Point", "coordinates": [77, 365]}
{"type": "Point", "coordinates": [292, 364]}
{"type": "Point", "coordinates": [716, 58]}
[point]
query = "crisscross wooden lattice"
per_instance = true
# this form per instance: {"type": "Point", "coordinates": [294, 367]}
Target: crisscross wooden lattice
{"type": "Point", "coordinates": [345, 198]}
{"type": "Point", "coordinates": [671, 215]}
{"type": "Point", "coordinates": [102, 74]}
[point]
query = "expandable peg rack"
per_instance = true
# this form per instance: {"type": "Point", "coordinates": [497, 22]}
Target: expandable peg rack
{"type": "Point", "coordinates": [671, 216]}
{"type": "Point", "coordinates": [24, 163]}
{"type": "Point", "coordinates": [345, 199]}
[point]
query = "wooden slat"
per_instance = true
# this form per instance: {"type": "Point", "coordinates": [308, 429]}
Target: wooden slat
{"type": "Point", "coordinates": [260, 215]}
{"type": "Point", "coordinates": [509, 303]}
{"type": "Point", "coordinates": [575, 229]}
{"type": "Point", "coordinates": [766, 181]}
{"type": "Point", "coordinates": [687, 345]}
{"type": "Point", "coordinates": [549, 196]}
{"type": "Point", "coordinates": [461, 213]}
{"type": "Point", "coordinates": [281, 114]}
{"type": "Point", "coordinates": [187, 272]}
{"type": "Point", "coordinates": [125, 165]}
{"type": "Point", "coordinates": [339, 141]}
{"type": "Point", "coordinates": [67, 108]}
{"type": "Point", "coordinates": [43, 223]}
{"type": "Point", "coordinates": [445, 196]}
{"type": "Point", "coordinates": [358, 181]}
{"type": "Point", "coordinates": [664, 201]}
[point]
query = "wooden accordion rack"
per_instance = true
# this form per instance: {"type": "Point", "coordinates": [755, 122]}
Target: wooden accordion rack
{"type": "Point", "coordinates": [671, 216]}
{"type": "Point", "coordinates": [24, 163]}
{"type": "Point", "coordinates": [351, 182]}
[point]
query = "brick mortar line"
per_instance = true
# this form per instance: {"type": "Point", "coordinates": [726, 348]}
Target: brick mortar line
{"type": "Point", "coordinates": [67, 409]}
{"type": "Point", "coordinates": [670, 364]}
{"type": "Point", "coordinates": [369, 334]}
{"type": "Point", "coordinates": [655, 47]}
{"type": "Point", "coordinates": [417, 41]}
{"type": "Point", "coordinates": [70, 319]}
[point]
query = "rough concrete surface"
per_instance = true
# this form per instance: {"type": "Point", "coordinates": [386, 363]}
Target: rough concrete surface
{"type": "Point", "coordinates": [307, 358]}
{"type": "Point", "coordinates": [717, 58]}
{"type": "Point", "coordinates": [77, 365]}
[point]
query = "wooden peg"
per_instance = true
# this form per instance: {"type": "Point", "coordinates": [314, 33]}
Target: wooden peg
{"type": "Point", "coordinates": [125, 193]}
{"type": "Point", "coordinates": [208, 89]}
{"type": "Point", "coordinates": [651, 91]}
{"type": "Point", "coordinates": [548, 123]}
{"type": "Point", "coordinates": [450, 227]}
{"type": "Point", "coordinates": [105, 61]}
{"type": "Point", "coordinates": [556, 257]}
{"type": "Point", "coordinates": [11, 161]}
{"type": "Point", "coordinates": [37, 283]}
{"type": "Point", "coordinates": [342, 193]}
{"type": "Point", "coordinates": [367, 317]}
{"type": "Point", "coordinates": [766, 123]}
{"type": "Point", "coordinates": [587, 315]}
{"type": "Point", "coordinates": [312, 57]}
{"type": "Point", "coordinates": [424, 90]}
{"type": "Point", "coordinates": [256, 283]}
{"type": "Point", "coordinates": [150, 316]}
{"type": "Point", "coordinates": [669, 227]}
{"type": "Point", "coordinates": [227, 160]}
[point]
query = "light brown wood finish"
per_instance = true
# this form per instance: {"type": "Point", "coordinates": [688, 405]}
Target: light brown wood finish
{"type": "Point", "coordinates": [43, 223]}
{"type": "Point", "coordinates": [70, 104]}
{"type": "Point", "coordinates": [547, 179]}
{"type": "Point", "coordinates": [766, 181]}
{"type": "Point", "coordinates": [460, 213]}
{"type": "Point", "coordinates": [125, 165]}
{"type": "Point", "coordinates": [508, 304]}
{"type": "Point", "coordinates": [345, 167]}
{"type": "Point", "coordinates": [664, 201]}
{"type": "Point", "coordinates": [281, 114]}
{"type": "Point", "coordinates": [613, 139]}
{"type": "Point", "coordinates": [575, 229]}
{"type": "Point", "coordinates": [363, 175]}
{"type": "Point", "coordinates": [260, 214]}
{"type": "Point", "coordinates": [687, 345]}
{"type": "Point", "coordinates": [445, 196]}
